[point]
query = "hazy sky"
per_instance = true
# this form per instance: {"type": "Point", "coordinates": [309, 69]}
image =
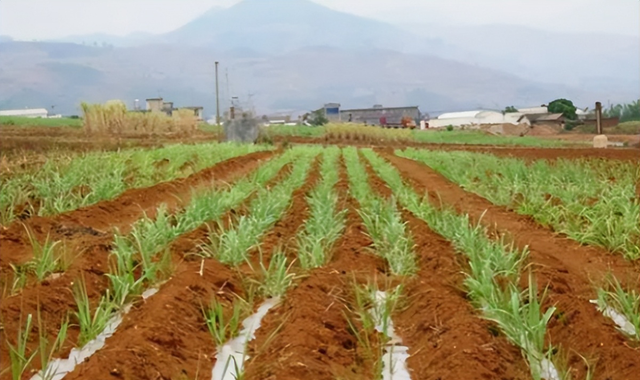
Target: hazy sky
{"type": "Point", "coordinates": [45, 19]}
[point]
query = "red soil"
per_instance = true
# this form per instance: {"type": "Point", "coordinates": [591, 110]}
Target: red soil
{"type": "Point", "coordinates": [54, 297]}
{"type": "Point", "coordinates": [166, 337]}
{"type": "Point", "coordinates": [500, 150]}
{"type": "Point", "coordinates": [308, 335]}
{"type": "Point", "coordinates": [104, 217]}
{"type": "Point", "coordinates": [446, 337]}
{"type": "Point", "coordinates": [570, 271]}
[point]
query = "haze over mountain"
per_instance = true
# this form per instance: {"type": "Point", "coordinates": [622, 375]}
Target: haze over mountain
{"type": "Point", "coordinates": [295, 55]}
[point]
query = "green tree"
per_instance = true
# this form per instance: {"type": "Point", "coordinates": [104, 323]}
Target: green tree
{"type": "Point", "coordinates": [624, 112]}
{"type": "Point", "coordinates": [510, 109]}
{"type": "Point", "coordinates": [565, 107]}
{"type": "Point", "coordinates": [317, 118]}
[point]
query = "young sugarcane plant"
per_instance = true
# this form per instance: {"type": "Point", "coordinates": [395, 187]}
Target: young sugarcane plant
{"type": "Point", "coordinates": [18, 357]}
{"type": "Point", "coordinates": [45, 258]}
{"type": "Point", "coordinates": [325, 223]}
{"type": "Point", "coordinates": [47, 352]}
{"type": "Point", "coordinates": [220, 328]}
{"type": "Point", "coordinates": [91, 324]}
{"type": "Point", "coordinates": [122, 277]}
{"type": "Point", "coordinates": [614, 297]}
{"type": "Point", "coordinates": [276, 278]}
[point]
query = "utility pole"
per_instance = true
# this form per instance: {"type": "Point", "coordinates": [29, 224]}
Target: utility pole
{"type": "Point", "coordinates": [217, 98]}
{"type": "Point", "coordinates": [598, 118]}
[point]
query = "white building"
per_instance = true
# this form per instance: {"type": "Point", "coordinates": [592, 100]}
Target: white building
{"type": "Point", "coordinates": [534, 110]}
{"type": "Point", "coordinates": [27, 112]}
{"type": "Point", "coordinates": [474, 118]}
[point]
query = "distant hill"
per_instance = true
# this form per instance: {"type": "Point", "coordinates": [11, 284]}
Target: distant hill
{"type": "Point", "coordinates": [300, 80]}
{"type": "Point", "coordinates": [297, 55]}
{"type": "Point", "coordinates": [593, 61]}
{"type": "Point", "coordinates": [278, 26]}
{"type": "Point", "coordinates": [101, 39]}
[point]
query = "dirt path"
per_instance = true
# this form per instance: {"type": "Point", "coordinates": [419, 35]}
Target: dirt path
{"type": "Point", "coordinates": [446, 337]}
{"type": "Point", "coordinates": [568, 269]}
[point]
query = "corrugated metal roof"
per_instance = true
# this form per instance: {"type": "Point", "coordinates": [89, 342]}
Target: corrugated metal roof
{"type": "Point", "coordinates": [533, 110]}
{"type": "Point", "coordinates": [25, 112]}
{"type": "Point", "coordinates": [551, 116]}
{"type": "Point", "coordinates": [379, 109]}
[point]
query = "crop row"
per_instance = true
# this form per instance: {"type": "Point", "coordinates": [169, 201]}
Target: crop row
{"type": "Point", "coordinates": [142, 259]}
{"type": "Point", "coordinates": [497, 282]}
{"type": "Point", "coordinates": [62, 186]}
{"type": "Point", "coordinates": [592, 201]}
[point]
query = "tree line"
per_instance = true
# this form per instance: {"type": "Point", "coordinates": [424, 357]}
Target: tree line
{"type": "Point", "coordinates": [624, 112]}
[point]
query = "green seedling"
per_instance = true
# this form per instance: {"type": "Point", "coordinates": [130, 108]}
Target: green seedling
{"type": "Point", "coordinates": [276, 278]}
{"type": "Point", "coordinates": [18, 356]}
{"type": "Point", "coordinates": [45, 260]}
{"type": "Point", "coordinates": [494, 269]}
{"type": "Point", "coordinates": [382, 219]}
{"type": "Point", "coordinates": [47, 352]}
{"type": "Point", "coordinates": [592, 201]}
{"type": "Point", "coordinates": [231, 245]}
{"type": "Point", "coordinates": [325, 224]}
{"type": "Point", "coordinates": [20, 272]}
{"type": "Point", "coordinates": [220, 328]}
{"type": "Point", "coordinates": [625, 302]}
{"type": "Point", "coordinates": [121, 274]}
{"type": "Point", "coordinates": [91, 323]}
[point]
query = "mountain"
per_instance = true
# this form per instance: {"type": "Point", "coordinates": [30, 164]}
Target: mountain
{"type": "Point", "coordinates": [278, 26]}
{"type": "Point", "coordinates": [39, 74]}
{"type": "Point", "coordinates": [592, 61]}
{"type": "Point", "coordinates": [295, 55]}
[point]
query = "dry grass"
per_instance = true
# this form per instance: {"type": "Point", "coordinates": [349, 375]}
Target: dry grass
{"type": "Point", "coordinates": [368, 134]}
{"type": "Point", "coordinates": [113, 118]}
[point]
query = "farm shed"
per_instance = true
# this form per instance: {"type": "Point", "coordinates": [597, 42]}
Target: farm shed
{"type": "Point", "coordinates": [27, 112]}
{"type": "Point", "coordinates": [372, 115]}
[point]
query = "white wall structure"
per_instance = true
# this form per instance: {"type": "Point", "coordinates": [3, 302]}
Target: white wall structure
{"type": "Point", "coordinates": [475, 118]}
{"type": "Point", "coordinates": [27, 112]}
{"type": "Point", "coordinates": [534, 110]}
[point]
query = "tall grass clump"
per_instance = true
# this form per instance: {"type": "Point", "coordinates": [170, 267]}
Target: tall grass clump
{"type": "Point", "coordinates": [114, 118]}
{"type": "Point", "coordinates": [366, 134]}
{"type": "Point", "coordinates": [592, 201]}
{"type": "Point", "coordinates": [325, 222]}
{"type": "Point", "coordinates": [494, 272]}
